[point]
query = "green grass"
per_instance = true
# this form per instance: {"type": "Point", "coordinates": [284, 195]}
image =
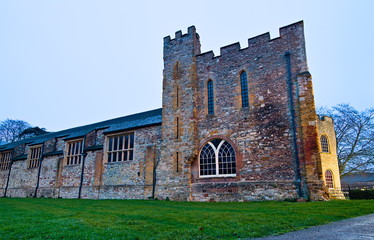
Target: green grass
{"type": "Point", "coordinates": [22, 218]}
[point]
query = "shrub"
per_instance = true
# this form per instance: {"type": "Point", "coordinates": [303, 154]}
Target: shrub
{"type": "Point", "coordinates": [361, 194]}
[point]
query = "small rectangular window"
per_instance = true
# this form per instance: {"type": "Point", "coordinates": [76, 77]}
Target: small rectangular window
{"type": "Point", "coordinates": [34, 156]}
{"type": "Point", "coordinates": [74, 152]}
{"type": "Point", "coordinates": [5, 160]}
{"type": "Point", "coordinates": [121, 148]}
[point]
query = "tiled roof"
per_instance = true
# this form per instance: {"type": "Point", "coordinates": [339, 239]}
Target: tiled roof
{"type": "Point", "coordinates": [148, 118]}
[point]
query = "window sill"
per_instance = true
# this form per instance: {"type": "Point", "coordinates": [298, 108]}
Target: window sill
{"type": "Point", "coordinates": [120, 162]}
{"type": "Point", "coordinates": [218, 176]}
{"type": "Point", "coordinates": [72, 165]}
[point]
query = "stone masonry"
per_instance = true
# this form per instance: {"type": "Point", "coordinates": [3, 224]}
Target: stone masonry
{"type": "Point", "coordinates": [266, 150]}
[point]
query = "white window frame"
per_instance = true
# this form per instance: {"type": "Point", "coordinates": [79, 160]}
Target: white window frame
{"type": "Point", "coordinates": [216, 152]}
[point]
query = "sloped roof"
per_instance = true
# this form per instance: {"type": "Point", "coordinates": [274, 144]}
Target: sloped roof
{"type": "Point", "coordinates": [143, 119]}
{"type": "Point", "coordinates": [358, 177]}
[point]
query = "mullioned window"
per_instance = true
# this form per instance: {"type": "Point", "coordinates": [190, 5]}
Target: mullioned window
{"type": "Point", "coordinates": [121, 148]}
{"type": "Point", "coordinates": [324, 144]}
{"type": "Point", "coordinates": [34, 156]}
{"type": "Point", "coordinates": [217, 158]}
{"type": "Point", "coordinates": [329, 179]}
{"type": "Point", "coordinates": [74, 152]}
{"type": "Point", "coordinates": [5, 160]}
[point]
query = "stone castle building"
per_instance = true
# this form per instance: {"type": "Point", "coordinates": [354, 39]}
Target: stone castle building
{"type": "Point", "coordinates": [240, 126]}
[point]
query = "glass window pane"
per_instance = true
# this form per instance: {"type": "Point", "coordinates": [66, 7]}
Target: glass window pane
{"type": "Point", "coordinates": [126, 142]}
{"type": "Point", "coordinates": [120, 147]}
{"type": "Point", "coordinates": [132, 141]}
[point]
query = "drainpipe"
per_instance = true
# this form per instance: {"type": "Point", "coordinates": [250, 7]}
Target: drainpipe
{"type": "Point", "coordinates": [39, 170]}
{"type": "Point", "coordinates": [291, 106]}
{"type": "Point", "coordinates": [8, 178]}
{"type": "Point", "coordinates": [84, 154]}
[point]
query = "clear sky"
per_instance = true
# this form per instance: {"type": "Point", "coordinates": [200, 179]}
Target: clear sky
{"type": "Point", "coordinates": [67, 63]}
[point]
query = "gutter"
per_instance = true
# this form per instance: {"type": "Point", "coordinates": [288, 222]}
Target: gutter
{"type": "Point", "coordinates": [39, 170]}
{"type": "Point", "coordinates": [10, 169]}
{"type": "Point", "coordinates": [84, 154]}
{"type": "Point", "coordinates": [291, 106]}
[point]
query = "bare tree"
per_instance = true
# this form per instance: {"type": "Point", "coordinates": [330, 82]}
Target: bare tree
{"type": "Point", "coordinates": [354, 138]}
{"type": "Point", "coordinates": [10, 130]}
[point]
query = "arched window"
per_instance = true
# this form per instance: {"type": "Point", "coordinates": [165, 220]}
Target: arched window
{"type": "Point", "coordinates": [244, 88]}
{"type": "Point", "coordinates": [217, 158]}
{"type": "Point", "coordinates": [329, 179]}
{"type": "Point", "coordinates": [210, 98]}
{"type": "Point", "coordinates": [324, 144]}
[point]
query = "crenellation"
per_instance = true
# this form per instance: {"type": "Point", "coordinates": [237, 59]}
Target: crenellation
{"type": "Point", "coordinates": [292, 29]}
{"type": "Point", "coordinates": [230, 49]}
{"type": "Point", "coordinates": [258, 40]}
{"type": "Point", "coordinates": [178, 34]}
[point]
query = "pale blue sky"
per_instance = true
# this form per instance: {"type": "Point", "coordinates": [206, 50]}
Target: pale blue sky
{"type": "Point", "coordinates": [73, 62]}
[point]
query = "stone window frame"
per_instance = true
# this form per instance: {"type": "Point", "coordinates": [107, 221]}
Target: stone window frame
{"type": "Point", "coordinates": [244, 89]}
{"type": "Point", "coordinates": [34, 156]}
{"type": "Point", "coordinates": [216, 163]}
{"type": "Point", "coordinates": [73, 152]}
{"type": "Point", "coordinates": [329, 178]}
{"type": "Point", "coordinates": [130, 150]}
{"type": "Point", "coordinates": [325, 145]}
{"type": "Point", "coordinates": [210, 97]}
{"type": "Point", "coordinates": [5, 159]}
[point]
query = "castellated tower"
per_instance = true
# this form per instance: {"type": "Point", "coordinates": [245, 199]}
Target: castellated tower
{"type": "Point", "coordinates": [239, 126]}
{"type": "Point", "coordinates": [178, 114]}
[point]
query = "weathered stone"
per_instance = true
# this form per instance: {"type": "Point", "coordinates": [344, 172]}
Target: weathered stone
{"type": "Point", "coordinates": [275, 139]}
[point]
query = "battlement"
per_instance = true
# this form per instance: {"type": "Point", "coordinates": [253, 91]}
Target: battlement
{"type": "Point", "coordinates": [326, 119]}
{"type": "Point", "coordinates": [289, 31]}
{"type": "Point", "coordinates": [178, 35]}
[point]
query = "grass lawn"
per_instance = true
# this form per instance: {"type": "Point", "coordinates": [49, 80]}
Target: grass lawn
{"type": "Point", "coordinates": [24, 218]}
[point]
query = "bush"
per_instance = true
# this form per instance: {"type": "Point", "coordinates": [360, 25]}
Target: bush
{"type": "Point", "coordinates": [361, 194]}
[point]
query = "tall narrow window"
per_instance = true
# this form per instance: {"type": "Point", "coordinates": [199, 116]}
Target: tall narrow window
{"type": "Point", "coordinates": [74, 152]}
{"type": "Point", "coordinates": [5, 160]}
{"type": "Point", "coordinates": [217, 158]}
{"type": "Point", "coordinates": [177, 128]}
{"type": "Point", "coordinates": [210, 97]}
{"type": "Point", "coordinates": [121, 148]}
{"type": "Point", "coordinates": [177, 161]}
{"type": "Point", "coordinates": [324, 144]}
{"type": "Point", "coordinates": [176, 72]}
{"type": "Point", "coordinates": [329, 179]}
{"type": "Point", "coordinates": [177, 93]}
{"type": "Point", "coordinates": [33, 158]}
{"type": "Point", "coordinates": [244, 88]}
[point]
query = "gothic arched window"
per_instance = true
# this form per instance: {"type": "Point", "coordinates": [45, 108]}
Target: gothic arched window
{"type": "Point", "coordinates": [329, 179]}
{"type": "Point", "coordinates": [324, 144]}
{"type": "Point", "coordinates": [217, 158]}
{"type": "Point", "coordinates": [244, 89]}
{"type": "Point", "coordinates": [210, 97]}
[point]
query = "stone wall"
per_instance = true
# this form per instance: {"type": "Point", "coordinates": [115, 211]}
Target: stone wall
{"type": "Point", "coordinates": [101, 180]}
